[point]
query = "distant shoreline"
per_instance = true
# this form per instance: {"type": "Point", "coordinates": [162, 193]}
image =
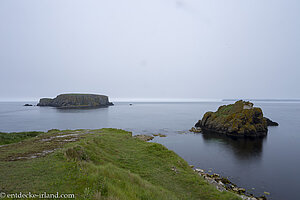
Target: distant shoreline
{"type": "Point", "coordinates": [276, 100]}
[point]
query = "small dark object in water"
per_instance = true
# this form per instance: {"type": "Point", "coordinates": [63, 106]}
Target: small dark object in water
{"type": "Point", "coordinates": [130, 104]}
{"type": "Point", "coordinates": [28, 104]}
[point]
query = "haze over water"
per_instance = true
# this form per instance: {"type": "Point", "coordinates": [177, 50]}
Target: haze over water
{"type": "Point", "coordinates": [150, 48]}
{"type": "Point", "coordinates": [171, 49]}
{"type": "Point", "coordinates": [270, 164]}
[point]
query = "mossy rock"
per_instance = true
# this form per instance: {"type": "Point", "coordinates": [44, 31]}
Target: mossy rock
{"type": "Point", "coordinates": [238, 119]}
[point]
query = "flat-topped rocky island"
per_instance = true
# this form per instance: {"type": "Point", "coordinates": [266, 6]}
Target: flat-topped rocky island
{"type": "Point", "coordinates": [76, 101]}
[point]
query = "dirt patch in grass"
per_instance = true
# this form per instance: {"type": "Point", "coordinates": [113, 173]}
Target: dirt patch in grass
{"type": "Point", "coordinates": [39, 146]}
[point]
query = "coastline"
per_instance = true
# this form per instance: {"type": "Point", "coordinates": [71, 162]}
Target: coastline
{"type": "Point", "coordinates": [63, 137]}
{"type": "Point", "coordinates": [101, 164]}
{"type": "Point", "coordinates": [223, 184]}
{"type": "Point", "coordinates": [219, 182]}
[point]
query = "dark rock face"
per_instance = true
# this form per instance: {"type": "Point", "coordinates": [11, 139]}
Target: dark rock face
{"type": "Point", "coordinates": [271, 123]}
{"type": "Point", "coordinates": [198, 124]}
{"type": "Point", "coordinates": [238, 119]}
{"type": "Point", "coordinates": [76, 101]}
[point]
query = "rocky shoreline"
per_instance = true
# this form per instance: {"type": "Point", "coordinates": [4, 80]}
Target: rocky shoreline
{"type": "Point", "coordinates": [148, 137]}
{"type": "Point", "coordinates": [223, 184]}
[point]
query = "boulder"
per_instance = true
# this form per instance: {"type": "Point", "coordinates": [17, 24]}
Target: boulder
{"type": "Point", "coordinates": [195, 130]}
{"type": "Point", "coordinates": [27, 104]}
{"type": "Point", "coordinates": [238, 119]}
{"type": "Point", "coordinates": [76, 101]}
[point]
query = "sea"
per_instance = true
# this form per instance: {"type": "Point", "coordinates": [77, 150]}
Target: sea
{"type": "Point", "coordinates": [267, 166]}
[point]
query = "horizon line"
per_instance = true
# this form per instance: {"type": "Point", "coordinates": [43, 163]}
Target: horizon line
{"type": "Point", "coordinates": [167, 99]}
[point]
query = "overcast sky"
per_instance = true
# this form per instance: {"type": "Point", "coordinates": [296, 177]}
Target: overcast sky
{"type": "Point", "coordinates": [150, 48]}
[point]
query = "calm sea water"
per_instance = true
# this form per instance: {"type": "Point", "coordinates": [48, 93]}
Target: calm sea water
{"type": "Point", "coordinates": [269, 165]}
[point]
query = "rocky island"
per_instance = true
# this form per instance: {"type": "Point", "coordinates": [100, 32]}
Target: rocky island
{"type": "Point", "coordinates": [238, 119]}
{"type": "Point", "coordinates": [76, 101]}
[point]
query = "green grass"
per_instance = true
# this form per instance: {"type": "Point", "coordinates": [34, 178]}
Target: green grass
{"type": "Point", "coordinates": [8, 138]}
{"type": "Point", "coordinates": [106, 164]}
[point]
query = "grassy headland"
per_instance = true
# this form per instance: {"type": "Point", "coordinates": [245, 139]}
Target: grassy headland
{"type": "Point", "coordinates": [100, 164]}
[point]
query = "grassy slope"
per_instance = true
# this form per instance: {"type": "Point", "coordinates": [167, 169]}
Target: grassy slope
{"type": "Point", "coordinates": [103, 164]}
{"type": "Point", "coordinates": [8, 138]}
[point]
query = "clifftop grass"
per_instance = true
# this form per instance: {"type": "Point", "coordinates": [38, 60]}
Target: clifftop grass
{"type": "Point", "coordinates": [100, 164]}
{"type": "Point", "coordinates": [8, 138]}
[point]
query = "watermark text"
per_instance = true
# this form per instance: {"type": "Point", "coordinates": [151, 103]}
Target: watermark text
{"type": "Point", "coordinates": [43, 195]}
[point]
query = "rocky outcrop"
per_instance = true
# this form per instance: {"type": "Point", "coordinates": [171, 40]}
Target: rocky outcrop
{"type": "Point", "coordinates": [45, 102]}
{"type": "Point", "coordinates": [271, 123]}
{"type": "Point", "coordinates": [144, 137]}
{"type": "Point", "coordinates": [196, 130]}
{"type": "Point", "coordinates": [76, 101]}
{"type": "Point", "coordinates": [238, 119]}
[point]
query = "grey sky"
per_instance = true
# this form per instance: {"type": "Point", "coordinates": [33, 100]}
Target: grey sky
{"type": "Point", "coordinates": [150, 48]}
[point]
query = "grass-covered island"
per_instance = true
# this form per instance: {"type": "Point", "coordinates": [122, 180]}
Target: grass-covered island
{"type": "Point", "coordinates": [76, 101]}
{"type": "Point", "coordinates": [240, 119]}
{"type": "Point", "coordinates": [98, 164]}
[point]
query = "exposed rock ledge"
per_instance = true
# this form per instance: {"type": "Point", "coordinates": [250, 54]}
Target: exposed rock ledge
{"type": "Point", "coordinates": [238, 119]}
{"type": "Point", "coordinates": [270, 122]}
{"type": "Point", "coordinates": [223, 184]}
{"type": "Point", "coordinates": [76, 101]}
